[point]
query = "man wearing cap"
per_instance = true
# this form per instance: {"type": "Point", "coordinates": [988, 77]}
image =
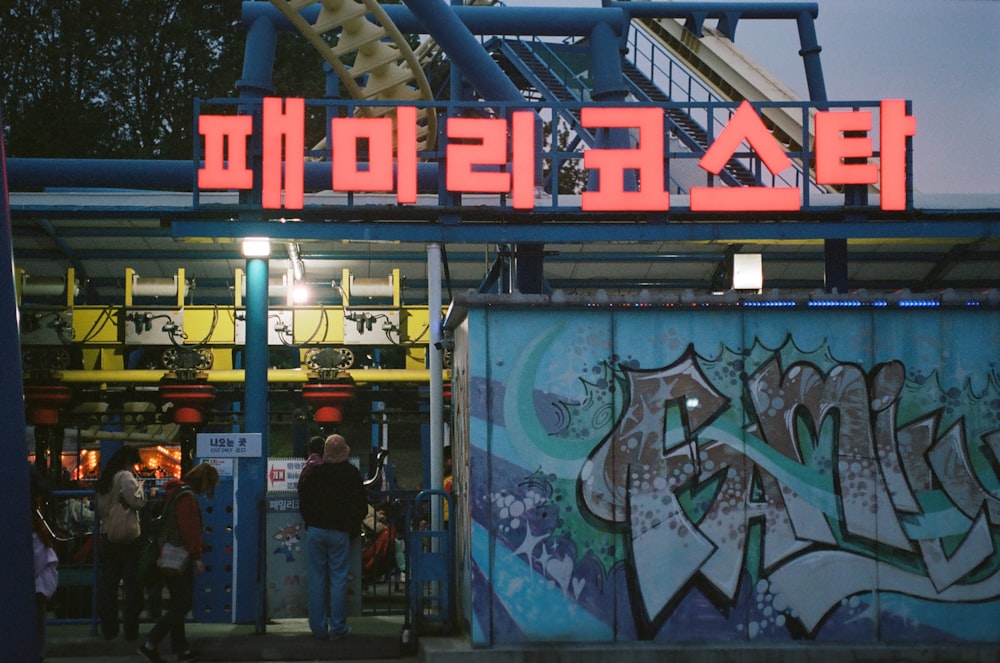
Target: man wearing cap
{"type": "Point", "coordinates": [333, 504]}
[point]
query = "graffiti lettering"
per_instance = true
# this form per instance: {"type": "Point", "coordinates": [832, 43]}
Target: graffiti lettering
{"type": "Point", "coordinates": [837, 485]}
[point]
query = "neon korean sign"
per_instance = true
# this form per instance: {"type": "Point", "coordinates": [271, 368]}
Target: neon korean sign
{"type": "Point", "coordinates": [508, 147]}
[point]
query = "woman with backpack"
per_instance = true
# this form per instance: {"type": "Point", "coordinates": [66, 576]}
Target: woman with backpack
{"type": "Point", "coordinates": [180, 528]}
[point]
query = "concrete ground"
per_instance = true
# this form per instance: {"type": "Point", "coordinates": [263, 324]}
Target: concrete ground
{"type": "Point", "coordinates": [378, 640]}
{"type": "Point", "coordinates": [373, 639]}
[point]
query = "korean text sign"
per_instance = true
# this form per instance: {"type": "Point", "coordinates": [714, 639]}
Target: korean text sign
{"type": "Point", "coordinates": [498, 155]}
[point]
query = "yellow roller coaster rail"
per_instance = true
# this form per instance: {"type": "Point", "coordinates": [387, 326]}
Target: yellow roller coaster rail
{"type": "Point", "coordinates": [372, 58]}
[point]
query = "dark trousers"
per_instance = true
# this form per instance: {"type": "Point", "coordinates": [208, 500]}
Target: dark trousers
{"type": "Point", "coordinates": [41, 602]}
{"type": "Point", "coordinates": [181, 588]}
{"type": "Point", "coordinates": [119, 566]}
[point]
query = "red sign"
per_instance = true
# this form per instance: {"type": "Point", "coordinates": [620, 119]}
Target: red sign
{"type": "Point", "coordinates": [498, 156]}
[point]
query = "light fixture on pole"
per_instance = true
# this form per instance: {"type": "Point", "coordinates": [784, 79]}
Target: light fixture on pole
{"type": "Point", "coordinates": [256, 247]}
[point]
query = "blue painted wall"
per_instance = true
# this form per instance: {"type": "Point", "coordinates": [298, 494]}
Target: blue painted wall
{"type": "Point", "coordinates": [697, 474]}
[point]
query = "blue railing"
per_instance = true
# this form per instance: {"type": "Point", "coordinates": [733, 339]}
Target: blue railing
{"type": "Point", "coordinates": [75, 601]}
{"type": "Point", "coordinates": [710, 110]}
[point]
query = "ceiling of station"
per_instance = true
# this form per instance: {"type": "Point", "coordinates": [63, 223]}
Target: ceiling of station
{"type": "Point", "coordinates": [102, 250]}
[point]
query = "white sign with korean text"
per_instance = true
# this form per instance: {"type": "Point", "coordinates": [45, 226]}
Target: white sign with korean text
{"type": "Point", "coordinates": [284, 473]}
{"type": "Point", "coordinates": [229, 445]}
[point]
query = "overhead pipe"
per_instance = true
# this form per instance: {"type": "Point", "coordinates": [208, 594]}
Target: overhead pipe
{"type": "Point", "coordinates": [31, 173]}
{"type": "Point", "coordinates": [532, 21]}
{"type": "Point", "coordinates": [237, 376]}
{"type": "Point", "coordinates": [464, 50]}
{"type": "Point", "coordinates": [717, 10]}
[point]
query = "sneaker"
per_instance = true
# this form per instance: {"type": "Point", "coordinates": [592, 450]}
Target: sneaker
{"type": "Point", "coordinates": [343, 634]}
{"type": "Point", "coordinates": [187, 655]}
{"type": "Point", "coordinates": [149, 653]}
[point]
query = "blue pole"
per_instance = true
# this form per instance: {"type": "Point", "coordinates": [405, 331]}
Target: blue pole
{"type": "Point", "coordinates": [17, 611]}
{"type": "Point", "coordinates": [251, 476]}
{"type": "Point", "coordinates": [251, 473]}
{"type": "Point", "coordinates": [258, 58]}
{"type": "Point", "coordinates": [606, 64]}
{"type": "Point", "coordinates": [809, 50]}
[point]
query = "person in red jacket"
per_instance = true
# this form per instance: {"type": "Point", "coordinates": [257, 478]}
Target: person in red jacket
{"type": "Point", "coordinates": [182, 524]}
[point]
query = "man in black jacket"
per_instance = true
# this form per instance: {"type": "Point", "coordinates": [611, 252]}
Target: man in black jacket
{"type": "Point", "coordinates": [333, 504]}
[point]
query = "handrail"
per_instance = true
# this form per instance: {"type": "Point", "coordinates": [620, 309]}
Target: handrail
{"type": "Point", "coordinates": [683, 85]}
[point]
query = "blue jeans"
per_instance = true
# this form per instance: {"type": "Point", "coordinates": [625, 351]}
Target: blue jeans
{"type": "Point", "coordinates": [328, 566]}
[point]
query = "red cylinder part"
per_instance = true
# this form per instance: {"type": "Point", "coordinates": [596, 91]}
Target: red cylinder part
{"type": "Point", "coordinates": [327, 400]}
{"type": "Point", "coordinates": [188, 400]}
{"type": "Point", "coordinates": [42, 403]}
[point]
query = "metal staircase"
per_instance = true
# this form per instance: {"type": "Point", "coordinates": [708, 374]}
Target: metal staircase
{"type": "Point", "coordinates": [689, 132]}
{"type": "Point", "coordinates": [535, 63]}
{"type": "Point", "coordinates": [523, 60]}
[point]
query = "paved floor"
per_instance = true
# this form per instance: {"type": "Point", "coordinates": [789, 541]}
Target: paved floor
{"type": "Point", "coordinates": [374, 639]}
{"type": "Point", "coordinates": [378, 640]}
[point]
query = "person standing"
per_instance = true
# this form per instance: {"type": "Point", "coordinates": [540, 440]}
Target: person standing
{"type": "Point", "coordinates": [118, 488]}
{"type": "Point", "coordinates": [46, 562]}
{"type": "Point", "coordinates": [315, 454]}
{"type": "Point", "coordinates": [333, 504]}
{"type": "Point", "coordinates": [181, 525]}
{"type": "Point", "coordinates": [46, 571]}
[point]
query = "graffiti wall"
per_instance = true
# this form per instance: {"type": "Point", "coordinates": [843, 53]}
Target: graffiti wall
{"type": "Point", "coordinates": [728, 474]}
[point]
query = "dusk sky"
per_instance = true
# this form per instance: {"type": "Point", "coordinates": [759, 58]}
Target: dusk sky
{"type": "Point", "coordinates": [942, 55]}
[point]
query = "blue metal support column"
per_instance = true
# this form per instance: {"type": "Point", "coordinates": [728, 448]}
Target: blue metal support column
{"type": "Point", "coordinates": [834, 250]}
{"type": "Point", "coordinates": [251, 476]}
{"type": "Point", "coordinates": [18, 631]}
{"type": "Point", "coordinates": [250, 569]}
{"type": "Point", "coordinates": [609, 85]}
{"type": "Point", "coordinates": [810, 49]}
{"type": "Point", "coordinates": [434, 364]}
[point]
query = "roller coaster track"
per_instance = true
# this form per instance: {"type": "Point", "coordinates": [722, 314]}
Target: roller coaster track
{"type": "Point", "coordinates": [370, 56]}
{"type": "Point", "coordinates": [731, 74]}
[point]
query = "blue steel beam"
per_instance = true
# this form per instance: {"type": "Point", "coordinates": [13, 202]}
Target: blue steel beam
{"type": "Point", "coordinates": [952, 227]}
{"type": "Point", "coordinates": [35, 173]}
{"type": "Point", "coordinates": [563, 21]}
{"type": "Point", "coordinates": [474, 257]}
{"type": "Point", "coordinates": [533, 21]}
{"type": "Point", "coordinates": [718, 10]}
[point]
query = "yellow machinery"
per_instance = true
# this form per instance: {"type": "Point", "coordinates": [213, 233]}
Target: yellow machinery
{"type": "Point", "coordinates": [88, 343]}
{"type": "Point", "coordinates": [147, 370]}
